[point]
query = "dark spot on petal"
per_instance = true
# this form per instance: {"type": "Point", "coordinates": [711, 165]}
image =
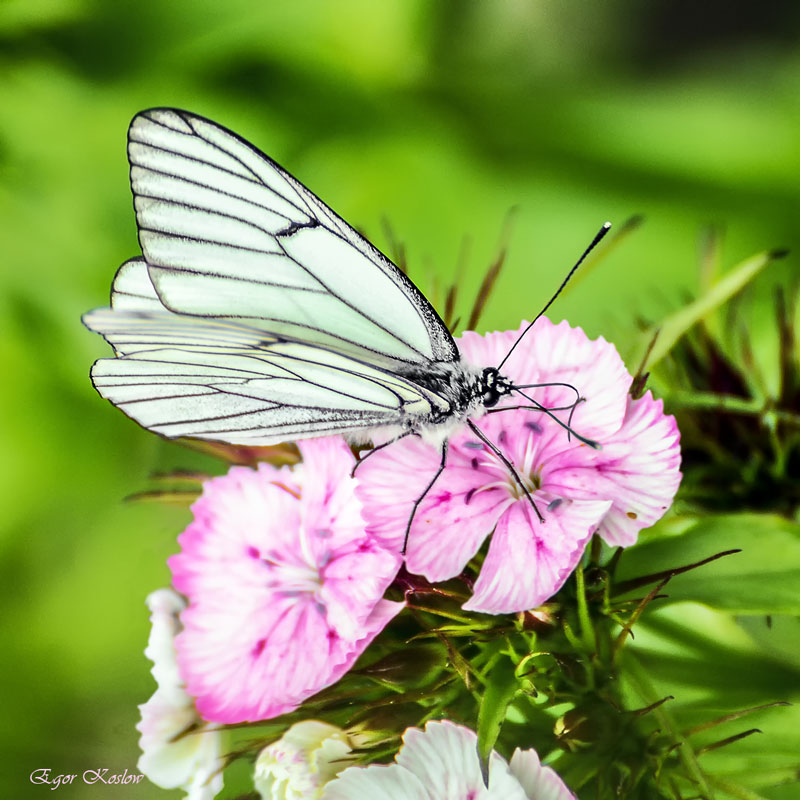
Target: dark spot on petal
{"type": "Point", "coordinates": [444, 497]}
{"type": "Point", "coordinates": [554, 504]}
{"type": "Point", "coordinates": [631, 514]}
{"type": "Point", "coordinates": [253, 552]}
{"type": "Point", "coordinates": [332, 635]}
{"type": "Point", "coordinates": [469, 494]}
{"type": "Point", "coordinates": [534, 426]}
{"type": "Point", "coordinates": [474, 445]}
{"type": "Point", "coordinates": [258, 648]}
{"type": "Point", "coordinates": [502, 437]}
{"type": "Point", "coordinates": [474, 463]}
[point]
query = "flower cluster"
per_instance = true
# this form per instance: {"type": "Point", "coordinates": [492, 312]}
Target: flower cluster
{"type": "Point", "coordinates": [613, 491]}
{"type": "Point", "coordinates": [441, 763]}
{"type": "Point", "coordinates": [284, 569]}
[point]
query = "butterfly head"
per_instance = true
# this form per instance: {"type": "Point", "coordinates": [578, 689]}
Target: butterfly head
{"type": "Point", "coordinates": [494, 386]}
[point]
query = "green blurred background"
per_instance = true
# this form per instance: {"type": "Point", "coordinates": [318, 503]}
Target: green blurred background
{"type": "Point", "coordinates": [437, 116]}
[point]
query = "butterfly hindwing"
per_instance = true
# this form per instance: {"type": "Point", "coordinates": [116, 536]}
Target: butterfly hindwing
{"type": "Point", "coordinates": [182, 375]}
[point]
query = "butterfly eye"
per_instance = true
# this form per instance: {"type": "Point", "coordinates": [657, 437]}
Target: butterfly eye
{"type": "Point", "coordinates": [492, 390]}
{"type": "Point", "coordinates": [490, 398]}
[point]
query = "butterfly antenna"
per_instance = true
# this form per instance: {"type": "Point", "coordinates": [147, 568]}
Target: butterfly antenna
{"type": "Point", "coordinates": [597, 239]}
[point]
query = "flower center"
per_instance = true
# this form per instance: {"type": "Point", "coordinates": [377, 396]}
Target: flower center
{"type": "Point", "coordinates": [531, 481]}
{"type": "Point", "coordinates": [291, 576]}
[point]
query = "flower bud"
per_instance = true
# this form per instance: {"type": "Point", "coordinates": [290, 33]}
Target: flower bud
{"type": "Point", "coordinates": [302, 761]}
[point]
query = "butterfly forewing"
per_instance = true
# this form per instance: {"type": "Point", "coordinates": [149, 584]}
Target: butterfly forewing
{"type": "Point", "coordinates": [227, 233]}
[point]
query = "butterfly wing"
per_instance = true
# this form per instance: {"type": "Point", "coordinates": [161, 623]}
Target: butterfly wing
{"type": "Point", "coordinates": [227, 233]}
{"type": "Point", "coordinates": [227, 380]}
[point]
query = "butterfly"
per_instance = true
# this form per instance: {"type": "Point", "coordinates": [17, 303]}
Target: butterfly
{"type": "Point", "coordinates": [257, 315]}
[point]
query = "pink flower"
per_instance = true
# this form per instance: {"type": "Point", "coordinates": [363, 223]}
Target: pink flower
{"type": "Point", "coordinates": [441, 763]}
{"type": "Point", "coordinates": [615, 491]}
{"type": "Point", "coordinates": [284, 585]}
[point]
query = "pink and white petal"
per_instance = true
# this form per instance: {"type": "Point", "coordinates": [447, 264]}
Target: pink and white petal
{"type": "Point", "coordinates": [222, 546]}
{"type": "Point", "coordinates": [594, 367]}
{"type": "Point", "coordinates": [377, 782]}
{"type": "Point", "coordinates": [445, 758]}
{"type": "Point", "coordinates": [344, 653]}
{"type": "Point", "coordinates": [560, 353]}
{"type": "Point", "coordinates": [388, 484]}
{"type": "Point", "coordinates": [192, 762]}
{"type": "Point", "coordinates": [638, 469]}
{"type": "Point", "coordinates": [328, 459]}
{"type": "Point", "coordinates": [539, 783]}
{"type": "Point", "coordinates": [528, 561]}
{"type": "Point", "coordinates": [260, 673]}
{"type": "Point", "coordinates": [488, 350]}
{"type": "Point", "coordinates": [352, 582]}
{"type": "Point", "coordinates": [165, 605]}
{"type": "Point", "coordinates": [328, 505]}
{"type": "Point", "coordinates": [452, 522]}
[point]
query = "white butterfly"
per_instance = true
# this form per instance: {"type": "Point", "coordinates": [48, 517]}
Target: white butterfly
{"type": "Point", "coordinates": [258, 315]}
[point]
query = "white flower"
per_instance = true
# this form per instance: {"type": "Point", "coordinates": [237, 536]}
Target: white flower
{"type": "Point", "coordinates": [441, 763]}
{"type": "Point", "coordinates": [170, 760]}
{"type": "Point", "coordinates": [301, 762]}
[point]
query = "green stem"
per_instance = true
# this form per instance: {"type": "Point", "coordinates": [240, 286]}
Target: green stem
{"type": "Point", "coordinates": [587, 629]}
{"type": "Point", "coordinates": [711, 401]}
{"type": "Point", "coordinates": [735, 789]}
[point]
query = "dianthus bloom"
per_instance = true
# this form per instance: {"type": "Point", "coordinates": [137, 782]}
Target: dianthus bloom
{"type": "Point", "coordinates": [441, 763]}
{"type": "Point", "coordinates": [297, 767]}
{"type": "Point", "coordinates": [284, 585]}
{"type": "Point", "coordinates": [178, 751]}
{"type": "Point", "coordinates": [614, 491]}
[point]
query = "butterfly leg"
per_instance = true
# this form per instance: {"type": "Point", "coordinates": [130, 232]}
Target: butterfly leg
{"type": "Point", "coordinates": [362, 459]}
{"type": "Point", "coordinates": [422, 496]}
{"type": "Point", "coordinates": [496, 450]}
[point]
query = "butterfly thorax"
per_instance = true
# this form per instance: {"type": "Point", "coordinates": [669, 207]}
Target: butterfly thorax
{"type": "Point", "coordinates": [466, 391]}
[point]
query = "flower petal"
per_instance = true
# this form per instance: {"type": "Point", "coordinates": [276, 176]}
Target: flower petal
{"type": "Point", "coordinates": [451, 524]}
{"type": "Point", "coordinates": [445, 758]}
{"type": "Point", "coordinates": [389, 482]}
{"type": "Point", "coordinates": [376, 782]}
{"type": "Point", "coordinates": [165, 605]}
{"type": "Point", "coordinates": [528, 561]}
{"type": "Point", "coordinates": [329, 508]}
{"type": "Point", "coordinates": [539, 783]}
{"type": "Point", "coordinates": [301, 762]}
{"type": "Point", "coordinates": [560, 353]}
{"type": "Point", "coordinates": [351, 582]}
{"type": "Point", "coordinates": [345, 653]}
{"type": "Point", "coordinates": [191, 762]}
{"type": "Point", "coordinates": [638, 468]}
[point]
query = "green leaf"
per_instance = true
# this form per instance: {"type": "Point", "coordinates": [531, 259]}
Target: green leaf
{"type": "Point", "coordinates": [501, 687]}
{"type": "Point", "coordinates": [763, 579]}
{"type": "Point", "coordinates": [678, 323]}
